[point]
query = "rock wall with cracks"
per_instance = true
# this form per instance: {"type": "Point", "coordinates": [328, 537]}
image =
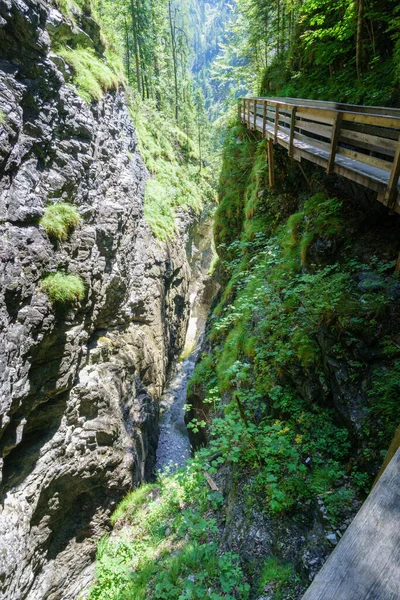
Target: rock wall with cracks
{"type": "Point", "coordinates": [79, 386]}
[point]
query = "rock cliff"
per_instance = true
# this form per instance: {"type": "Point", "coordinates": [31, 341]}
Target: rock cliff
{"type": "Point", "coordinates": [79, 384]}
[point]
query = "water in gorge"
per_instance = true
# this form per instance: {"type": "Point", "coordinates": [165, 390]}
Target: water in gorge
{"type": "Point", "coordinates": [174, 446]}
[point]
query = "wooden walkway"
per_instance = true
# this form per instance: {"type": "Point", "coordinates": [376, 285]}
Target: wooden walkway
{"type": "Point", "coordinates": [365, 565]}
{"type": "Point", "coordinates": [361, 143]}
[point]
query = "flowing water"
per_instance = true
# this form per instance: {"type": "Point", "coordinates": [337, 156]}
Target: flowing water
{"type": "Point", "coordinates": [174, 446]}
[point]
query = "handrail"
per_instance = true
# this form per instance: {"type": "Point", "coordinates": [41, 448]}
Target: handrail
{"type": "Point", "coordinates": [376, 110]}
{"type": "Point", "coordinates": [362, 145]}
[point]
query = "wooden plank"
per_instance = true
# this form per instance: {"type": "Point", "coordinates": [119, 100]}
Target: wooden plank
{"type": "Point", "coordinates": [211, 482]}
{"type": "Point", "coordinates": [316, 128]}
{"type": "Point", "coordinates": [389, 134]}
{"type": "Point", "coordinates": [364, 158]}
{"type": "Point", "coordinates": [391, 192]}
{"type": "Point", "coordinates": [334, 142]}
{"type": "Point", "coordinates": [340, 106]}
{"type": "Point", "coordinates": [284, 131]}
{"type": "Point", "coordinates": [312, 142]}
{"type": "Point", "coordinates": [317, 113]}
{"type": "Point", "coordinates": [284, 119]}
{"type": "Point", "coordinates": [271, 165]}
{"type": "Point", "coordinates": [314, 158]}
{"type": "Point", "coordinates": [276, 122]}
{"type": "Point", "coordinates": [378, 120]}
{"type": "Point", "coordinates": [365, 565]}
{"type": "Point", "coordinates": [292, 126]}
{"type": "Point", "coordinates": [248, 114]}
{"type": "Point", "coordinates": [255, 113]}
{"type": "Point", "coordinates": [361, 178]}
{"type": "Point", "coordinates": [369, 142]}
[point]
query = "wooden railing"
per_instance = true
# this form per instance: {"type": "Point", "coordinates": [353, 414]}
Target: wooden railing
{"type": "Point", "coordinates": [361, 143]}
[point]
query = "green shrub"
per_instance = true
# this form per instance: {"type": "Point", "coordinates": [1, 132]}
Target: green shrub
{"type": "Point", "coordinates": [59, 219]}
{"type": "Point", "coordinates": [63, 288]}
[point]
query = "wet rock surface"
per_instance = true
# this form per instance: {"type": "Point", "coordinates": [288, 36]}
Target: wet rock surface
{"type": "Point", "coordinates": [79, 384]}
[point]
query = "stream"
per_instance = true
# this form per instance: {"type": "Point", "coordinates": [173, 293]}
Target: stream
{"type": "Point", "coordinates": [174, 446]}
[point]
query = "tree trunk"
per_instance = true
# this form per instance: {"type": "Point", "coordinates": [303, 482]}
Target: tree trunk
{"type": "Point", "coordinates": [174, 59]}
{"type": "Point", "coordinates": [359, 43]}
{"type": "Point", "coordinates": [136, 47]}
{"type": "Point", "coordinates": [128, 57]}
{"type": "Point", "coordinates": [199, 128]}
{"type": "Point", "coordinates": [278, 28]}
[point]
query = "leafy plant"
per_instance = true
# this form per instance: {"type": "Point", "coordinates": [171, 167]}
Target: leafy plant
{"type": "Point", "coordinates": [166, 547]}
{"type": "Point", "coordinates": [63, 288]}
{"type": "Point", "coordinates": [59, 219]}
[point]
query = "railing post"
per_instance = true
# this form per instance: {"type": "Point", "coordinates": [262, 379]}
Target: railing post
{"type": "Point", "coordinates": [391, 191]}
{"type": "Point", "coordinates": [292, 126]}
{"type": "Point", "coordinates": [336, 127]}
{"type": "Point", "coordinates": [240, 109]}
{"type": "Point", "coordinates": [255, 115]}
{"type": "Point", "coordinates": [276, 123]}
{"type": "Point", "coordinates": [264, 117]}
{"type": "Point", "coordinates": [248, 113]}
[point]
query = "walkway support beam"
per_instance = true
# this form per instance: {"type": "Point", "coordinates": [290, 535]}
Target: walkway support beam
{"type": "Point", "coordinates": [271, 165]}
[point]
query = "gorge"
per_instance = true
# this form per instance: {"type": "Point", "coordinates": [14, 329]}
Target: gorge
{"type": "Point", "coordinates": [120, 322]}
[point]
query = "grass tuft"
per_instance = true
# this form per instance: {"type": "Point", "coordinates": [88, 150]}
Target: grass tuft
{"type": "Point", "coordinates": [59, 219]}
{"type": "Point", "coordinates": [92, 75]}
{"type": "Point", "coordinates": [63, 288]}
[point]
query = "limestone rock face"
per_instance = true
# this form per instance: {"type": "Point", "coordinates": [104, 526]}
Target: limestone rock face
{"type": "Point", "coordinates": [79, 384]}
